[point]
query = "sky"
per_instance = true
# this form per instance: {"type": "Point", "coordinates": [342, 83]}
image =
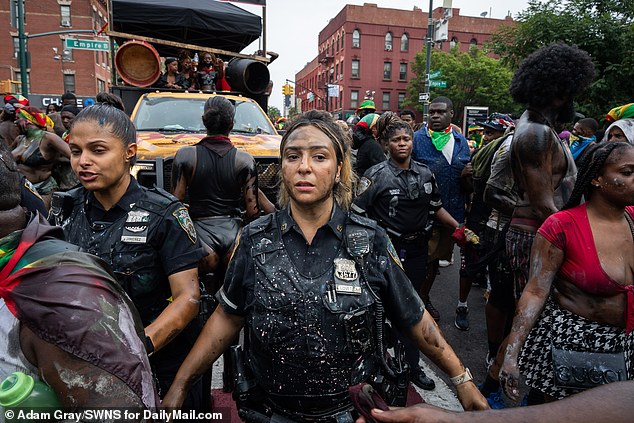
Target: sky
{"type": "Point", "coordinates": [292, 28]}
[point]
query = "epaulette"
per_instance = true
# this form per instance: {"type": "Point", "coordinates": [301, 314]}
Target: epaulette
{"type": "Point", "coordinates": [363, 221]}
{"type": "Point", "coordinates": [260, 224]}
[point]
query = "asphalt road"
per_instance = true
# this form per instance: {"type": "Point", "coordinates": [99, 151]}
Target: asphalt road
{"type": "Point", "coordinates": [471, 346]}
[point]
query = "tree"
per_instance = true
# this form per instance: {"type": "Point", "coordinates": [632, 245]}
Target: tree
{"type": "Point", "coordinates": [473, 79]}
{"type": "Point", "coordinates": [273, 113]}
{"type": "Point", "coordinates": [603, 28]}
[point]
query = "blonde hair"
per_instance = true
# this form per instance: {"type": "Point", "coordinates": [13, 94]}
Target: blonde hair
{"type": "Point", "coordinates": [328, 125]}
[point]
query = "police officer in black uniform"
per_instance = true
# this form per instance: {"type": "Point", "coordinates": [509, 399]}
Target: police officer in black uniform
{"type": "Point", "coordinates": [311, 282]}
{"type": "Point", "coordinates": [402, 196]}
{"type": "Point", "coordinates": [146, 235]}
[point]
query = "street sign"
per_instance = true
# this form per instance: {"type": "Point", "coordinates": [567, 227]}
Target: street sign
{"type": "Point", "coordinates": [435, 74]}
{"type": "Point", "coordinates": [423, 97]}
{"type": "Point", "coordinates": [438, 84]}
{"type": "Point", "coordinates": [87, 44]}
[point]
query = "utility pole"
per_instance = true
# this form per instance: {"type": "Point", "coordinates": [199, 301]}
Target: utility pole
{"type": "Point", "coordinates": [430, 31]}
{"type": "Point", "coordinates": [22, 41]}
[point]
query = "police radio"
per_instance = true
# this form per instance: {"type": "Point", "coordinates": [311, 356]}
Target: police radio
{"type": "Point", "coordinates": [61, 207]}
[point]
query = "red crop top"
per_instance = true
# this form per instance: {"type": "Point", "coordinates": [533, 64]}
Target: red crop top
{"type": "Point", "coordinates": [569, 230]}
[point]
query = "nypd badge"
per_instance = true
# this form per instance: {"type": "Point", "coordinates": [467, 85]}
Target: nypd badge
{"type": "Point", "coordinates": [182, 216]}
{"type": "Point", "coordinates": [346, 277]}
{"type": "Point", "coordinates": [136, 226]}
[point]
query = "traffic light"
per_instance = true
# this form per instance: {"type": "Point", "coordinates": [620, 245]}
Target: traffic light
{"type": "Point", "coordinates": [290, 90]}
{"type": "Point", "coordinates": [286, 89]}
{"type": "Point", "coordinates": [5, 87]}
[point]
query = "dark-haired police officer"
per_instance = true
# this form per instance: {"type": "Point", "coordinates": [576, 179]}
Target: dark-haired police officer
{"type": "Point", "coordinates": [402, 196]}
{"type": "Point", "coordinates": [311, 282]}
{"type": "Point", "coordinates": [145, 235]}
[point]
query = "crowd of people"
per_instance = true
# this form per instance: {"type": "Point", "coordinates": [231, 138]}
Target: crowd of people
{"type": "Point", "coordinates": [331, 288]}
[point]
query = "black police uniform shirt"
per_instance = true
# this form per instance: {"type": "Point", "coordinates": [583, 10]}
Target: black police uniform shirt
{"type": "Point", "coordinates": [283, 286]}
{"type": "Point", "coordinates": [400, 200]}
{"type": "Point", "coordinates": [170, 238]}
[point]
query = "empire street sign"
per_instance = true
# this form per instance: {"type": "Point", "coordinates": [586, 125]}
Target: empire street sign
{"type": "Point", "coordinates": [87, 44]}
{"type": "Point", "coordinates": [438, 84]}
{"type": "Point", "coordinates": [435, 74]}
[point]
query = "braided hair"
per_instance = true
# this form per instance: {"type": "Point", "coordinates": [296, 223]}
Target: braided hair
{"type": "Point", "coordinates": [591, 167]}
{"type": "Point", "coordinates": [388, 124]}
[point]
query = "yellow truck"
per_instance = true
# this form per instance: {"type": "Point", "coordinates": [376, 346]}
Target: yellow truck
{"type": "Point", "coordinates": [167, 121]}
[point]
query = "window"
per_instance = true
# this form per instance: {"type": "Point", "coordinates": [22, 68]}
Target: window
{"type": "Point", "coordinates": [354, 73]}
{"type": "Point", "coordinates": [473, 43]}
{"type": "Point", "coordinates": [388, 41]}
{"type": "Point", "coordinates": [65, 14]}
{"type": "Point", "coordinates": [404, 42]}
{"type": "Point", "coordinates": [453, 42]}
{"type": "Point", "coordinates": [337, 42]}
{"type": "Point", "coordinates": [69, 83]}
{"type": "Point", "coordinates": [343, 37]}
{"type": "Point", "coordinates": [16, 47]}
{"type": "Point", "coordinates": [101, 85]}
{"type": "Point", "coordinates": [14, 13]}
{"type": "Point", "coordinates": [387, 70]}
{"type": "Point", "coordinates": [356, 39]}
{"type": "Point", "coordinates": [354, 99]}
{"type": "Point", "coordinates": [386, 101]}
{"type": "Point", "coordinates": [401, 100]}
{"type": "Point", "coordinates": [402, 72]}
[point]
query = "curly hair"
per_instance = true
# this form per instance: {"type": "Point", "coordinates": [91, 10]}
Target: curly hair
{"type": "Point", "coordinates": [218, 115]}
{"type": "Point", "coordinates": [328, 125]}
{"type": "Point", "coordinates": [592, 166]}
{"type": "Point", "coordinates": [555, 71]}
{"type": "Point", "coordinates": [388, 124]}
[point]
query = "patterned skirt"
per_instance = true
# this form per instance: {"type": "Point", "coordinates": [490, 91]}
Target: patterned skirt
{"type": "Point", "coordinates": [559, 328]}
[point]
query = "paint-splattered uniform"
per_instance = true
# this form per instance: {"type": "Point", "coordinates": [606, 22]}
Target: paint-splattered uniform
{"type": "Point", "coordinates": [145, 237]}
{"type": "Point", "coordinates": [309, 314]}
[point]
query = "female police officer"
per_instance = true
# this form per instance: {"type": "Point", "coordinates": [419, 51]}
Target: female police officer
{"type": "Point", "coordinates": [401, 195]}
{"type": "Point", "coordinates": [306, 280]}
{"type": "Point", "coordinates": [145, 235]}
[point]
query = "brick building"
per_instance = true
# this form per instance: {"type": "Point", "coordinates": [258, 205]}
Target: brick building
{"type": "Point", "coordinates": [368, 50]}
{"type": "Point", "coordinates": [55, 69]}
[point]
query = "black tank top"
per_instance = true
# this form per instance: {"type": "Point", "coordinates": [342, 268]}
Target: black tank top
{"type": "Point", "coordinates": [217, 186]}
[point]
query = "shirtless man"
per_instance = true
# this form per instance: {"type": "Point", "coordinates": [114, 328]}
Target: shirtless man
{"type": "Point", "coordinates": [542, 165]}
{"type": "Point", "coordinates": [543, 168]}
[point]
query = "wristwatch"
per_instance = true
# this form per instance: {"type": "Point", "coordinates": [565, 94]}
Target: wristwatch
{"type": "Point", "coordinates": [462, 378]}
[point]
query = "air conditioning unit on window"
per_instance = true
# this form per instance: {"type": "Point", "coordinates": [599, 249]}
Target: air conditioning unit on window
{"type": "Point", "coordinates": [65, 22]}
{"type": "Point", "coordinates": [388, 48]}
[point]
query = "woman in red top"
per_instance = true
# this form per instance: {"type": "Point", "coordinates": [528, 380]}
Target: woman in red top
{"type": "Point", "coordinates": [580, 295]}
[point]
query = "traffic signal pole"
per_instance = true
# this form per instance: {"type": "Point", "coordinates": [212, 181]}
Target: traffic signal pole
{"type": "Point", "coordinates": [22, 42]}
{"type": "Point", "coordinates": [22, 37]}
{"type": "Point", "coordinates": [430, 31]}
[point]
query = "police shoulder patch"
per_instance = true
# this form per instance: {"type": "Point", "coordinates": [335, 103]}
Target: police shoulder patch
{"type": "Point", "coordinates": [392, 252]}
{"type": "Point", "coordinates": [28, 185]}
{"type": "Point", "coordinates": [236, 243]}
{"type": "Point", "coordinates": [182, 216]}
{"type": "Point", "coordinates": [364, 184]}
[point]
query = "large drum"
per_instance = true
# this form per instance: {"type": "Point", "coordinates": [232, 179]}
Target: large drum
{"type": "Point", "coordinates": [138, 63]}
